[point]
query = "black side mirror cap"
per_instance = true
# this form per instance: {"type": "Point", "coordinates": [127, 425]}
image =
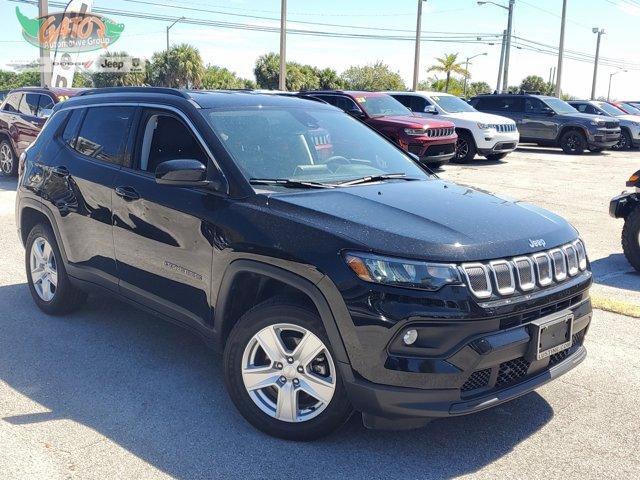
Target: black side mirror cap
{"type": "Point", "coordinates": [182, 173]}
{"type": "Point", "coordinates": [355, 113]}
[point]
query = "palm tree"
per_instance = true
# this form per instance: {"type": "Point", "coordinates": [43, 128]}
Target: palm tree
{"type": "Point", "coordinates": [180, 67]}
{"type": "Point", "coordinates": [449, 64]}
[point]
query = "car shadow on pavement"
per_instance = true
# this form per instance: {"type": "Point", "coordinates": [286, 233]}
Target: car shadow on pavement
{"type": "Point", "coordinates": [155, 390]}
{"type": "Point", "coordinates": [8, 183]}
{"type": "Point", "coordinates": [615, 271]}
{"type": "Point", "coordinates": [554, 150]}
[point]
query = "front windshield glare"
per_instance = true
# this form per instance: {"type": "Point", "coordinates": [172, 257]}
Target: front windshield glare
{"type": "Point", "coordinates": [559, 106]}
{"type": "Point", "coordinates": [306, 144]}
{"type": "Point", "coordinates": [630, 108]}
{"type": "Point", "coordinates": [610, 109]}
{"type": "Point", "coordinates": [452, 104]}
{"type": "Point", "coordinates": [379, 105]}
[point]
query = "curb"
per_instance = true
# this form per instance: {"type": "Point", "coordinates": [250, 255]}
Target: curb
{"type": "Point", "coordinates": [615, 306]}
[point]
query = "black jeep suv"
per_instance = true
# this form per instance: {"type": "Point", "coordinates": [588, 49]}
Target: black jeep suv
{"type": "Point", "coordinates": [334, 272]}
{"type": "Point", "coordinates": [549, 121]}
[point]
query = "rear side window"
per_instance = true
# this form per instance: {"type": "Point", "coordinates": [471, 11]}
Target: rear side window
{"type": "Point", "coordinates": [104, 132]}
{"type": "Point", "coordinates": [347, 104]}
{"type": "Point", "coordinates": [13, 102]}
{"type": "Point", "coordinates": [71, 129]}
{"type": "Point", "coordinates": [499, 104]}
{"type": "Point", "coordinates": [46, 103]}
{"type": "Point", "coordinates": [29, 104]}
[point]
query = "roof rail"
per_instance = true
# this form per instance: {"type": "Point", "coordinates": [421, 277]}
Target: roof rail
{"type": "Point", "coordinates": [105, 90]}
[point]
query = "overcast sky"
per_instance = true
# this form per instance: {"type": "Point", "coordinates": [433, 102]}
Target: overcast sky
{"type": "Point", "coordinates": [537, 20]}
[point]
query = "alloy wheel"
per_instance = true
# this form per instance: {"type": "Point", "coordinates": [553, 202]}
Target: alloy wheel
{"type": "Point", "coordinates": [462, 149]}
{"type": "Point", "coordinates": [6, 159]}
{"type": "Point", "coordinates": [288, 373]}
{"type": "Point", "coordinates": [44, 272]}
{"type": "Point", "coordinates": [572, 141]}
{"type": "Point", "coordinates": [622, 144]}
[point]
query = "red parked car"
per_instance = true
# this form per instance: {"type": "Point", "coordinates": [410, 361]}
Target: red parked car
{"type": "Point", "coordinates": [627, 107]}
{"type": "Point", "coordinates": [22, 115]}
{"type": "Point", "coordinates": [432, 141]}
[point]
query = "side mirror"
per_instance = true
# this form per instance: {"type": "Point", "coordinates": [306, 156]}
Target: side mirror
{"type": "Point", "coordinates": [414, 156]}
{"type": "Point", "coordinates": [548, 112]}
{"type": "Point", "coordinates": [356, 113]}
{"type": "Point", "coordinates": [182, 173]}
{"type": "Point", "coordinates": [45, 112]}
{"type": "Point", "coordinates": [431, 109]}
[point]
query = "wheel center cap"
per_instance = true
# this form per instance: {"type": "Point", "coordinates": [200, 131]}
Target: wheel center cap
{"type": "Point", "coordinates": [289, 371]}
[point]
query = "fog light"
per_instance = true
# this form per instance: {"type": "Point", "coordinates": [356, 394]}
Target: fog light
{"type": "Point", "coordinates": [410, 337]}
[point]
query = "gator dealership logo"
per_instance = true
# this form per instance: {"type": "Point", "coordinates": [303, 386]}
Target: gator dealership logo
{"type": "Point", "coordinates": [70, 32]}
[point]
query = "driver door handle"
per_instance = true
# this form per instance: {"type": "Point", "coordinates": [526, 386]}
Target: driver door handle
{"type": "Point", "coordinates": [127, 193]}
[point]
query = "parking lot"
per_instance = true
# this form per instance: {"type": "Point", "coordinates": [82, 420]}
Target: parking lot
{"type": "Point", "coordinates": [112, 392]}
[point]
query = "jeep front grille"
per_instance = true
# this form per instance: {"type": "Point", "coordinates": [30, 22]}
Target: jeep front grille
{"type": "Point", "coordinates": [509, 127]}
{"type": "Point", "coordinates": [440, 132]}
{"type": "Point", "coordinates": [505, 277]}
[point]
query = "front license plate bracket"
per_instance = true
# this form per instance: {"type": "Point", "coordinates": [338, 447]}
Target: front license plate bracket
{"type": "Point", "coordinates": [551, 335]}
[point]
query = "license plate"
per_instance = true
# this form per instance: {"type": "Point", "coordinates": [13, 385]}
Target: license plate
{"type": "Point", "coordinates": [552, 335]}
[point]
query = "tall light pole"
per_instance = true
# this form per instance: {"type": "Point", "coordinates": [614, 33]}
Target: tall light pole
{"type": "Point", "coordinates": [509, 8]}
{"type": "Point", "coordinates": [600, 32]}
{"type": "Point", "coordinates": [282, 79]}
{"type": "Point", "coordinates": [466, 67]}
{"type": "Point", "coordinates": [561, 50]}
{"type": "Point", "coordinates": [610, 78]}
{"type": "Point", "coordinates": [501, 66]}
{"type": "Point", "coordinates": [43, 10]}
{"type": "Point", "coordinates": [169, 28]}
{"type": "Point", "coordinates": [416, 59]}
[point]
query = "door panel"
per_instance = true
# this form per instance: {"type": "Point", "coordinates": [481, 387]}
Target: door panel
{"type": "Point", "coordinates": [163, 234]}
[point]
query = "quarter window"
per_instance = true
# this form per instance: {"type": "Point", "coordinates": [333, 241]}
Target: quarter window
{"type": "Point", "coordinates": [13, 102]}
{"type": "Point", "coordinates": [104, 133]}
{"type": "Point", "coordinates": [46, 103]}
{"type": "Point", "coordinates": [167, 138]}
{"type": "Point", "coordinates": [71, 129]}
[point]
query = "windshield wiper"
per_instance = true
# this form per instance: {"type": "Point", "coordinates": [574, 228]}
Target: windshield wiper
{"type": "Point", "coordinates": [289, 183]}
{"type": "Point", "coordinates": [376, 178]}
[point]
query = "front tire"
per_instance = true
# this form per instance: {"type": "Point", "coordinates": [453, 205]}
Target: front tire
{"type": "Point", "coordinates": [631, 238]}
{"type": "Point", "coordinates": [573, 142]}
{"type": "Point", "coordinates": [49, 283]}
{"type": "Point", "coordinates": [465, 148]}
{"type": "Point", "coordinates": [8, 159]}
{"type": "Point", "coordinates": [281, 374]}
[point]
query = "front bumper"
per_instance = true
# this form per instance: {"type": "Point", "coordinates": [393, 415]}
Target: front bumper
{"type": "Point", "coordinates": [488, 143]}
{"type": "Point", "coordinates": [604, 137]}
{"type": "Point", "coordinates": [431, 151]}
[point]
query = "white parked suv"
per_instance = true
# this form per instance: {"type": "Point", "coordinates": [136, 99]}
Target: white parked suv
{"type": "Point", "coordinates": [491, 136]}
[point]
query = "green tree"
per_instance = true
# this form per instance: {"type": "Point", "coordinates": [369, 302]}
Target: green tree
{"type": "Point", "coordinates": [535, 83]}
{"type": "Point", "coordinates": [116, 79]}
{"type": "Point", "coordinates": [329, 79]}
{"type": "Point", "coordinates": [478, 88]}
{"type": "Point", "coordinates": [267, 71]}
{"type": "Point", "coordinates": [221, 78]}
{"type": "Point", "coordinates": [372, 77]}
{"type": "Point", "coordinates": [81, 79]}
{"type": "Point", "coordinates": [299, 76]}
{"type": "Point", "coordinates": [455, 87]}
{"type": "Point", "coordinates": [180, 67]}
{"type": "Point", "coordinates": [449, 65]}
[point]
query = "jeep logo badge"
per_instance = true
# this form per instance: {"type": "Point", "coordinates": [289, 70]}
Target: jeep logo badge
{"type": "Point", "coordinates": [537, 243]}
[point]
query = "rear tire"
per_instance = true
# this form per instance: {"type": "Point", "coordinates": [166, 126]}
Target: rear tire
{"type": "Point", "coordinates": [8, 159]}
{"type": "Point", "coordinates": [573, 142]}
{"type": "Point", "coordinates": [49, 283]}
{"type": "Point", "coordinates": [494, 157]}
{"type": "Point", "coordinates": [465, 148]}
{"type": "Point", "coordinates": [265, 402]}
{"type": "Point", "coordinates": [631, 238]}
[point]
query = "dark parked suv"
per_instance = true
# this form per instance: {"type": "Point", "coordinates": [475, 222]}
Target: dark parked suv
{"type": "Point", "coordinates": [332, 283]}
{"type": "Point", "coordinates": [550, 121]}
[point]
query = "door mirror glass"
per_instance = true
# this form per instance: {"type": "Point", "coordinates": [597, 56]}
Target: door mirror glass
{"type": "Point", "coordinates": [182, 173]}
{"type": "Point", "coordinates": [431, 109]}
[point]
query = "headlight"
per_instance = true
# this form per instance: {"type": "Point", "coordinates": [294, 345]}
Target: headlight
{"type": "Point", "coordinates": [402, 273]}
{"type": "Point", "coordinates": [414, 131]}
{"type": "Point", "coordinates": [598, 123]}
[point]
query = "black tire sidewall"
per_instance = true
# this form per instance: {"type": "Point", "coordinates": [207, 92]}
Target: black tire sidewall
{"type": "Point", "coordinates": [579, 149]}
{"type": "Point", "coordinates": [630, 232]}
{"type": "Point", "coordinates": [336, 413]}
{"type": "Point", "coordinates": [471, 145]}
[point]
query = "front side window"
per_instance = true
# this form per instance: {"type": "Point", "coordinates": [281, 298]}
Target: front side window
{"type": "Point", "coordinates": [610, 109]}
{"type": "Point", "coordinates": [103, 134]}
{"type": "Point", "coordinates": [45, 105]}
{"type": "Point", "coordinates": [167, 138]}
{"type": "Point", "coordinates": [451, 104]}
{"type": "Point", "coordinates": [317, 145]}
{"type": "Point", "coordinates": [13, 103]}
{"type": "Point", "coordinates": [381, 105]}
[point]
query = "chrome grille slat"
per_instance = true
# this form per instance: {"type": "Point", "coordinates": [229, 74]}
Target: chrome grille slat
{"type": "Point", "coordinates": [504, 277]}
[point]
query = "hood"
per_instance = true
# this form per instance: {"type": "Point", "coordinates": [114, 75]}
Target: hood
{"type": "Point", "coordinates": [628, 118]}
{"type": "Point", "coordinates": [432, 220]}
{"type": "Point", "coordinates": [480, 117]}
{"type": "Point", "coordinates": [409, 121]}
{"type": "Point", "coordinates": [589, 116]}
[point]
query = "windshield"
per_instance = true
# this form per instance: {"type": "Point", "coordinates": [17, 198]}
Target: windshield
{"type": "Point", "coordinates": [559, 106]}
{"type": "Point", "coordinates": [451, 104]}
{"type": "Point", "coordinates": [382, 105]}
{"type": "Point", "coordinates": [610, 109]}
{"type": "Point", "coordinates": [630, 109]}
{"type": "Point", "coordinates": [306, 144]}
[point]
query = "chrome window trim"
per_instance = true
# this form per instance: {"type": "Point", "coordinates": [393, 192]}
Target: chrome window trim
{"type": "Point", "coordinates": [484, 294]}
{"type": "Point", "coordinates": [547, 281]}
{"type": "Point", "coordinates": [512, 286]}
{"type": "Point", "coordinates": [563, 274]}
{"type": "Point", "coordinates": [525, 287]}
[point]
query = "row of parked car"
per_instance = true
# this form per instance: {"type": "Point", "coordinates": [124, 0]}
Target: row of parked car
{"type": "Point", "coordinates": [435, 127]}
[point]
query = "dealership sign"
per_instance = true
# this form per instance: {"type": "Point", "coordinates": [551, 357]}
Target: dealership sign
{"type": "Point", "coordinates": [69, 31]}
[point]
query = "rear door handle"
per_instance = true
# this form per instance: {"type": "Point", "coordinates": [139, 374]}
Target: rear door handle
{"type": "Point", "coordinates": [127, 193]}
{"type": "Point", "coordinates": [60, 171]}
